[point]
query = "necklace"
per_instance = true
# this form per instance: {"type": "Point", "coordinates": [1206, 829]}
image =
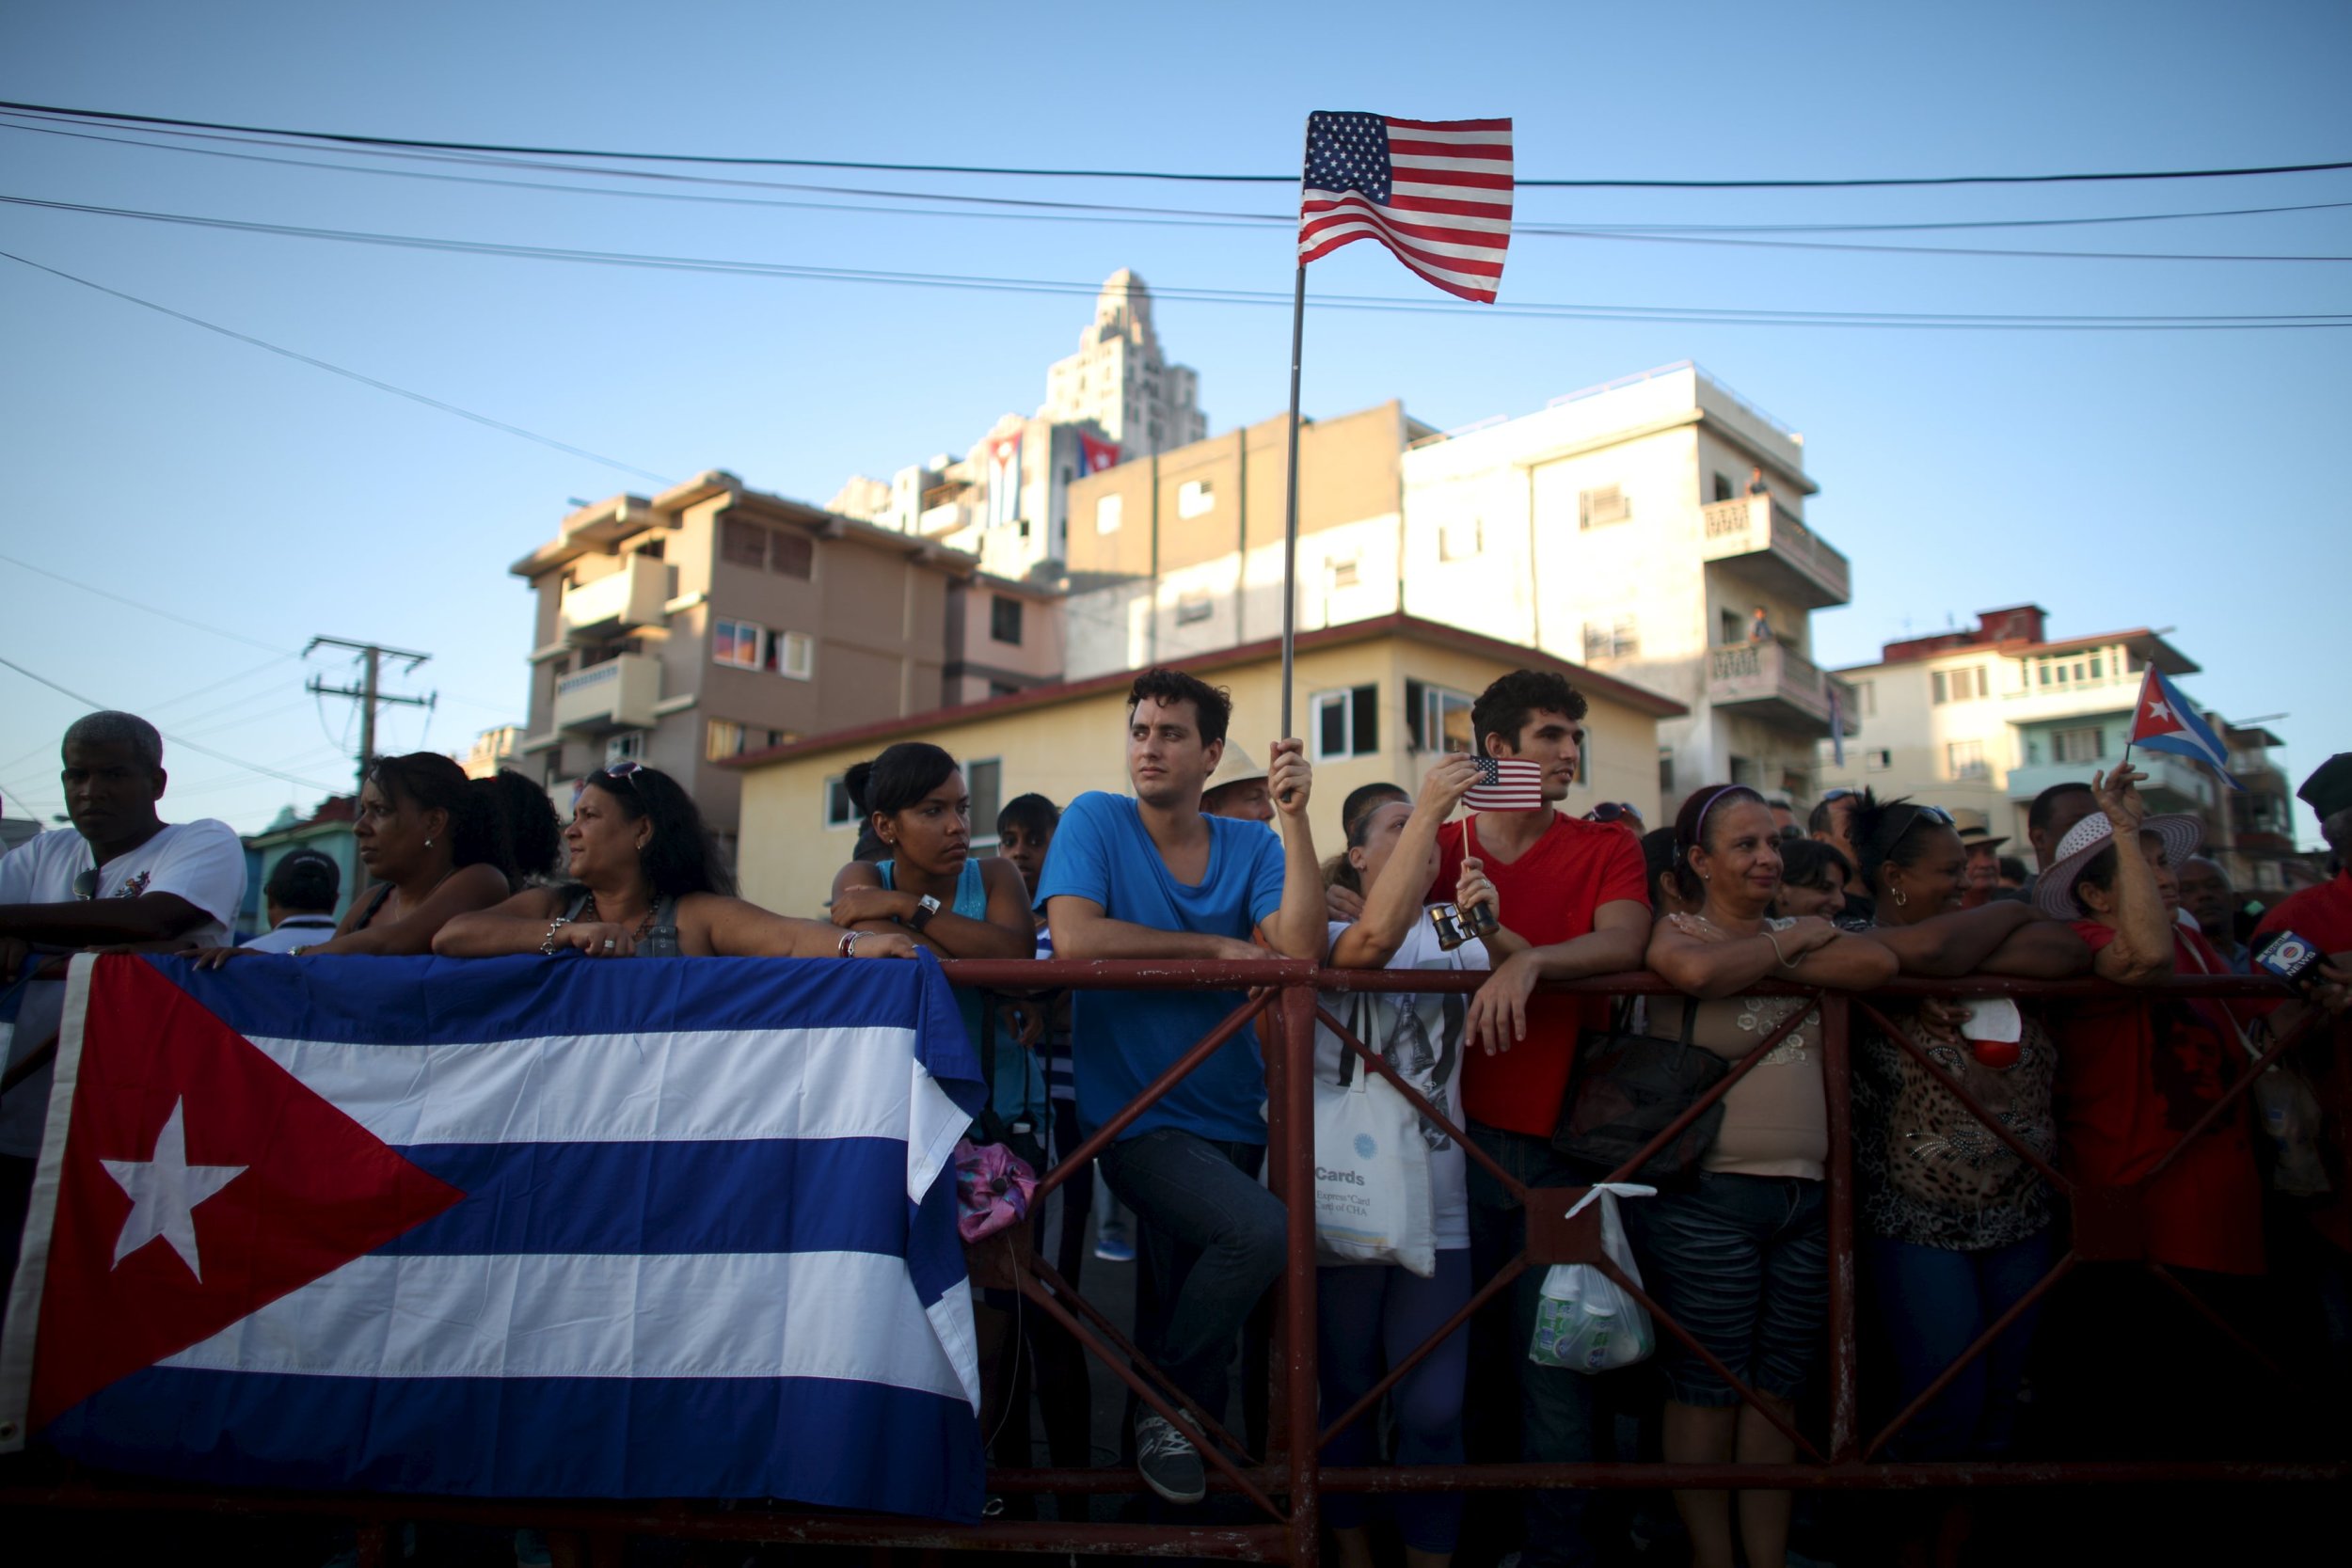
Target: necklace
{"type": "Point", "coordinates": [643, 927]}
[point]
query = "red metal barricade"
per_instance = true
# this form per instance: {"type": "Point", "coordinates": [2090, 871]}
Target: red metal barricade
{"type": "Point", "coordinates": [1282, 1487]}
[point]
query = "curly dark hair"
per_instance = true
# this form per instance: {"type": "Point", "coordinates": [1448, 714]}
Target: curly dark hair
{"type": "Point", "coordinates": [681, 857]}
{"type": "Point", "coordinates": [1212, 705]}
{"type": "Point", "coordinates": [1505, 706]}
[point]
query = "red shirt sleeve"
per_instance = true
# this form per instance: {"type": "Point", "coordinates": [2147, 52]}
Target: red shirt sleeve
{"type": "Point", "coordinates": [2098, 936]}
{"type": "Point", "coordinates": [1624, 874]}
{"type": "Point", "coordinates": [1449, 863]}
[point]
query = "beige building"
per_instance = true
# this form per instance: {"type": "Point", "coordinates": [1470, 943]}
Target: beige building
{"type": "Point", "coordinates": [1119, 380]}
{"type": "Point", "coordinates": [1615, 529]}
{"type": "Point", "coordinates": [1381, 698]}
{"type": "Point", "coordinates": [713, 620]}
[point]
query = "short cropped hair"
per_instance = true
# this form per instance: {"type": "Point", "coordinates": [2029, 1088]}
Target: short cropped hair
{"type": "Point", "coordinates": [1212, 705]}
{"type": "Point", "coordinates": [1033, 814]}
{"type": "Point", "coordinates": [1505, 708]}
{"type": "Point", "coordinates": [110, 728]}
{"type": "Point", "coordinates": [2046, 804]}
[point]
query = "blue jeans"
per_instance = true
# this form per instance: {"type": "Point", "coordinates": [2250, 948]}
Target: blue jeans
{"type": "Point", "coordinates": [1215, 1239]}
{"type": "Point", "coordinates": [1935, 1302]}
{"type": "Point", "coordinates": [1558, 1419]}
{"type": "Point", "coordinates": [1369, 1317]}
{"type": "Point", "coordinates": [1743, 1264]}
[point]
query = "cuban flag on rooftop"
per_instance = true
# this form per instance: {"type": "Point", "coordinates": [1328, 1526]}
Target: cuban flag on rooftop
{"type": "Point", "coordinates": [508, 1227]}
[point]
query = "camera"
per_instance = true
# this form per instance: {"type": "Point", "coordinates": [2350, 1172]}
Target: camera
{"type": "Point", "coordinates": [1456, 926]}
{"type": "Point", "coordinates": [2292, 958]}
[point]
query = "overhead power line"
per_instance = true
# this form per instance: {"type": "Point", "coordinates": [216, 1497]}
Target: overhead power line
{"type": "Point", "coordinates": [177, 740]}
{"type": "Point", "coordinates": [1254, 297]}
{"type": "Point", "coordinates": [1003, 208]}
{"type": "Point", "coordinates": [342, 370]}
{"type": "Point", "coordinates": [349, 139]}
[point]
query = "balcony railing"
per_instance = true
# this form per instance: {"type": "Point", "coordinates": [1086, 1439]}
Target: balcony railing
{"type": "Point", "coordinates": [618, 695]}
{"type": "Point", "coordinates": [625, 601]}
{"type": "Point", "coordinates": [1773, 681]}
{"type": "Point", "coordinates": [1757, 536]}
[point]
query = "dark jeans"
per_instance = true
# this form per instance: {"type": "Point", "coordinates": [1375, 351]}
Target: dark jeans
{"type": "Point", "coordinates": [1213, 1238]}
{"type": "Point", "coordinates": [1558, 1414]}
{"type": "Point", "coordinates": [1370, 1317]}
{"type": "Point", "coordinates": [1933, 1301]}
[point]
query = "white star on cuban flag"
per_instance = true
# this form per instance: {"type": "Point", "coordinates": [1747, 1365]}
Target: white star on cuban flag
{"type": "Point", "coordinates": [165, 1192]}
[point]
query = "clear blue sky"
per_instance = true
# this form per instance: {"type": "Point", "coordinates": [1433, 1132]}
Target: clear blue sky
{"type": "Point", "coordinates": [2176, 480]}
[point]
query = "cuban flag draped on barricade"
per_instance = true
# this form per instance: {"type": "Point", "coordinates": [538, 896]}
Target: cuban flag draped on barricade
{"type": "Point", "coordinates": [506, 1228]}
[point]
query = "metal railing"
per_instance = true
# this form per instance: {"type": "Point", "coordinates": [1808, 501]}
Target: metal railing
{"type": "Point", "coordinates": [1283, 1486]}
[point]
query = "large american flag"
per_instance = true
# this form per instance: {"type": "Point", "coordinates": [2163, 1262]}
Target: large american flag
{"type": "Point", "coordinates": [1437, 192]}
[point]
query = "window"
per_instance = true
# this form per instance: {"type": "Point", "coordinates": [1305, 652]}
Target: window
{"type": "Point", "coordinates": [1347, 723]}
{"type": "Point", "coordinates": [1435, 719]}
{"type": "Point", "coordinates": [722, 739]}
{"type": "Point", "coordinates": [1194, 497]}
{"type": "Point", "coordinates": [1743, 771]}
{"type": "Point", "coordinates": [1003, 620]}
{"type": "Point", "coordinates": [1865, 699]}
{"type": "Point", "coordinates": [1960, 686]}
{"type": "Point", "coordinates": [652, 549]}
{"type": "Point", "coordinates": [1964, 759]}
{"type": "Point", "coordinates": [984, 782]}
{"type": "Point", "coordinates": [1106, 514]}
{"type": "Point", "coordinates": [1723, 487]}
{"type": "Point", "coordinates": [1599, 508]}
{"type": "Point", "coordinates": [839, 812]}
{"type": "Point", "coordinates": [1614, 639]}
{"type": "Point", "coordinates": [1192, 608]}
{"type": "Point", "coordinates": [1344, 573]}
{"type": "Point", "coordinates": [735, 642]}
{"type": "Point", "coordinates": [742, 544]}
{"type": "Point", "coordinates": [1001, 689]}
{"type": "Point", "coordinates": [1878, 760]}
{"type": "Point", "coordinates": [1734, 629]}
{"type": "Point", "coordinates": [1461, 540]}
{"type": "Point", "coordinates": [2080, 745]}
{"type": "Point", "coordinates": [792, 555]}
{"type": "Point", "coordinates": [628, 745]}
{"type": "Point", "coordinates": [1665, 772]}
{"type": "Point", "coordinates": [790, 654]}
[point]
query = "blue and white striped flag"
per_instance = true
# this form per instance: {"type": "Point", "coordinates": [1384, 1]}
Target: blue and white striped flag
{"type": "Point", "coordinates": [516, 1228]}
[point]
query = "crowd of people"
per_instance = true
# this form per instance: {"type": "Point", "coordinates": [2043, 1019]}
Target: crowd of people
{"type": "Point", "coordinates": [1208, 856]}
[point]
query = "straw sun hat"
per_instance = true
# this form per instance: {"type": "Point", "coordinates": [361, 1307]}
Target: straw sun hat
{"type": "Point", "coordinates": [2054, 891]}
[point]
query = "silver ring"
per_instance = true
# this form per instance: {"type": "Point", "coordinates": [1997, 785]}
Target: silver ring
{"type": "Point", "coordinates": [608, 944]}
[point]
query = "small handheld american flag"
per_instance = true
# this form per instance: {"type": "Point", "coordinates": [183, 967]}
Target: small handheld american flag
{"type": "Point", "coordinates": [1437, 192]}
{"type": "Point", "coordinates": [1505, 783]}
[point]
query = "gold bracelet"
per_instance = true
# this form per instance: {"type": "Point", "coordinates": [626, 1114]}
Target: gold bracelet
{"type": "Point", "coordinates": [1786, 962]}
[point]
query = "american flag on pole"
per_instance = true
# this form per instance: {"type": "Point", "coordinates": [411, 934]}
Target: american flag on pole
{"type": "Point", "coordinates": [1505, 783]}
{"type": "Point", "coordinates": [1437, 192]}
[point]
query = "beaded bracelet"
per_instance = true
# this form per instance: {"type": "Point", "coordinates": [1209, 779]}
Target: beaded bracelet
{"type": "Point", "coordinates": [849, 944]}
{"type": "Point", "coordinates": [546, 943]}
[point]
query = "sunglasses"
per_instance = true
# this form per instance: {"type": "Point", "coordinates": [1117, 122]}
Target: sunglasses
{"type": "Point", "coordinates": [625, 771]}
{"type": "Point", "coordinates": [86, 883]}
{"type": "Point", "coordinates": [1839, 794]}
{"type": "Point", "coordinates": [1934, 814]}
{"type": "Point", "coordinates": [1610, 811]}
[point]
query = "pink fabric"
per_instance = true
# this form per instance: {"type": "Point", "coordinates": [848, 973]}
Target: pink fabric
{"type": "Point", "coordinates": [993, 1188]}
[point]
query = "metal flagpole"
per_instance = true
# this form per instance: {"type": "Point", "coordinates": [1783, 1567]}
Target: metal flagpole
{"type": "Point", "coordinates": [1290, 502]}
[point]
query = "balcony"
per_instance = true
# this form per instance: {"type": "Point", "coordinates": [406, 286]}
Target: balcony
{"type": "Point", "coordinates": [625, 601]}
{"type": "Point", "coordinates": [618, 695]}
{"type": "Point", "coordinates": [1764, 541]}
{"type": "Point", "coordinates": [1773, 682]}
{"type": "Point", "coordinates": [2174, 783]}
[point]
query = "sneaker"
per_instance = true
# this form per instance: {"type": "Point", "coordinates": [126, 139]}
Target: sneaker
{"type": "Point", "coordinates": [1169, 1464]}
{"type": "Point", "coordinates": [1112, 1245]}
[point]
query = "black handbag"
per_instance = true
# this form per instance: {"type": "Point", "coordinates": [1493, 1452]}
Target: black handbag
{"type": "Point", "coordinates": [1628, 1088]}
{"type": "Point", "coordinates": [1023, 1131]}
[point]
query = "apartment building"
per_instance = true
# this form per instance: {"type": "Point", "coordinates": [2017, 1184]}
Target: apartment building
{"type": "Point", "coordinates": [1987, 717]}
{"type": "Point", "coordinates": [1382, 698]}
{"type": "Point", "coordinates": [1615, 530]}
{"type": "Point", "coordinates": [711, 620]}
{"type": "Point", "coordinates": [1006, 499]}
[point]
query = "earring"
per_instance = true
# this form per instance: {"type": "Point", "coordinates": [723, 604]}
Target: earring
{"type": "Point", "coordinates": [1900, 898]}
{"type": "Point", "coordinates": [428, 844]}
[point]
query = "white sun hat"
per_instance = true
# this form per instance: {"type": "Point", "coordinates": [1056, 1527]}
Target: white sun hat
{"type": "Point", "coordinates": [2054, 890]}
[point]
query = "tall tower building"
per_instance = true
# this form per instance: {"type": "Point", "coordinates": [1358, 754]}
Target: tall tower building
{"type": "Point", "coordinates": [1118, 379]}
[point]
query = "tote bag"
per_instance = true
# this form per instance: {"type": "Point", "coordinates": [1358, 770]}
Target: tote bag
{"type": "Point", "coordinates": [1373, 1198]}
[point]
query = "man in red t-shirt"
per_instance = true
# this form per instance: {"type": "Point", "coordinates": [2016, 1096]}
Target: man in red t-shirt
{"type": "Point", "coordinates": [2323, 916]}
{"type": "Point", "coordinates": [1577, 890]}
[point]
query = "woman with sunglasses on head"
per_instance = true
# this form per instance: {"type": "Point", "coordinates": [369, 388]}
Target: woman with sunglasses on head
{"type": "Point", "coordinates": [645, 880]}
{"type": "Point", "coordinates": [1741, 1260]}
{"type": "Point", "coordinates": [1955, 1224]}
{"type": "Point", "coordinates": [439, 845]}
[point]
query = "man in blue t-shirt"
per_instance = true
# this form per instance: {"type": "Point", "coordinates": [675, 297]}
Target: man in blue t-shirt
{"type": "Point", "coordinates": [1149, 877]}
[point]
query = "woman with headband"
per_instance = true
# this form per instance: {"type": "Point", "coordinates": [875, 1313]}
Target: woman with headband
{"type": "Point", "coordinates": [1742, 1259]}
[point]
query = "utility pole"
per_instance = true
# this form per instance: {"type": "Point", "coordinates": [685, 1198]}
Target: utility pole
{"type": "Point", "coordinates": [372, 656]}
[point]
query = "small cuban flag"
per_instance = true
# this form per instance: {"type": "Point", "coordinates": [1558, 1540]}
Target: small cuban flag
{"type": "Point", "coordinates": [2166, 722]}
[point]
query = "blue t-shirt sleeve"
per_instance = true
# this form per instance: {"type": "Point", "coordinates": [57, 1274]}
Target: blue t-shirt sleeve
{"type": "Point", "coordinates": [1078, 861]}
{"type": "Point", "coordinates": [1265, 875]}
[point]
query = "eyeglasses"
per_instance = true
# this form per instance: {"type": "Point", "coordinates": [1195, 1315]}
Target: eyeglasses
{"type": "Point", "coordinates": [86, 883]}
